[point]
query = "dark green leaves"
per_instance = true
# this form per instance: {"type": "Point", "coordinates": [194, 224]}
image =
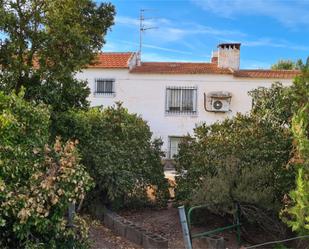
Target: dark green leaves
{"type": "Point", "coordinates": [46, 42]}
{"type": "Point", "coordinates": [117, 149]}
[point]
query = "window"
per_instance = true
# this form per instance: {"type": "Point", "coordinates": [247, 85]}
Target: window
{"type": "Point", "coordinates": [181, 99]}
{"type": "Point", "coordinates": [173, 146]}
{"type": "Point", "coordinates": [104, 86]}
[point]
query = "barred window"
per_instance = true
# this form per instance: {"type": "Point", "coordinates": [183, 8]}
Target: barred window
{"type": "Point", "coordinates": [181, 99]}
{"type": "Point", "coordinates": [104, 86]}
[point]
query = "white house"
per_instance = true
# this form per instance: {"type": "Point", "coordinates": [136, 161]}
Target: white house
{"type": "Point", "coordinates": [173, 97]}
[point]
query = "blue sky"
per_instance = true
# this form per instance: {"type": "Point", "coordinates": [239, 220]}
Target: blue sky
{"type": "Point", "coordinates": [188, 30]}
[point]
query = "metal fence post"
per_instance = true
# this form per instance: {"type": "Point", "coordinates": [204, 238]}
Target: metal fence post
{"type": "Point", "coordinates": [71, 213]}
{"type": "Point", "coordinates": [185, 228]}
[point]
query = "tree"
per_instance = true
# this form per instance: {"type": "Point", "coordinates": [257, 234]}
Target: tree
{"type": "Point", "coordinates": [46, 42]}
{"type": "Point", "coordinates": [301, 65]}
{"type": "Point", "coordinates": [273, 104]}
{"type": "Point", "coordinates": [252, 152]}
{"type": "Point", "coordinates": [118, 152]}
{"type": "Point", "coordinates": [290, 65]}
{"type": "Point", "coordinates": [284, 65]}
{"type": "Point", "coordinates": [296, 213]}
{"type": "Point", "coordinates": [37, 181]}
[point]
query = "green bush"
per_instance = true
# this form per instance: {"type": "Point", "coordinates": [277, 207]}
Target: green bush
{"type": "Point", "coordinates": [37, 181]}
{"type": "Point", "coordinates": [241, 160]}
{"type": "Point", "coordinates": [117, 150]}
{"type": "Point", "coordinates": [296, 212]}
{"type": "Point", "coordinates": [274, 103]}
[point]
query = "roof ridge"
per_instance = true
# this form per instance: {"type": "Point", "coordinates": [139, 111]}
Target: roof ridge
{"type": "Point", "coordinates": [130, 58]}
{"type": "Point", "coordinates": [273, 70]}
{"type": "Point", "coordinates": [180, 62]}
{"type": "Point", "coordinates": [127, 52]}
{"type": "Point", "coordinates": [112, 60]}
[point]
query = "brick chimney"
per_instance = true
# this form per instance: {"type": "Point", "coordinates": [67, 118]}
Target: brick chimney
{"type": "Point", "coordinates": [214, 57]}
{"type": "Point", "coordinates": [229, 55]}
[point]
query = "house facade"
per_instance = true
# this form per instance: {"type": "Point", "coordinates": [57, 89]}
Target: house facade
{"type": "Point", "coordinates": [174, 97]}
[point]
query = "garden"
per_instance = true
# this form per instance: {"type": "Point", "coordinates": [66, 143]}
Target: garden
{"type": "Point", "coordinates": [57, 152]}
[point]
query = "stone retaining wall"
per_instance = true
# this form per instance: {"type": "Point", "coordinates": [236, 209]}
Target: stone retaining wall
{"type": "Point", "coordinates": [134, 233]}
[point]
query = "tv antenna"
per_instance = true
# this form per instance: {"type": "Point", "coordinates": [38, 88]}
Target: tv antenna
{"type": "Point", "coordinates": [142, 28]}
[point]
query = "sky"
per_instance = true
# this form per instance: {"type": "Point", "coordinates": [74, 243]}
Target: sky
{"type": "Point", "coordinates": [189, 30]}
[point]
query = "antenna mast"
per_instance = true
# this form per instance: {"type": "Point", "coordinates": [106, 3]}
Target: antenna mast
{"type": "Point", "coordinates": [142, 29]}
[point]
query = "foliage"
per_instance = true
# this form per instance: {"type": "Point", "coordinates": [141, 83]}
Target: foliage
{"type": "Point", "coordinates": [284, 65]}
{"type": "Point", "coordinates": [274, 103]}
{"type": "Point", "coordinates": [278, 103]}
{"type": "Point", "coordinates": [280, 246]}
{"type": "Point", "coordinates": [300, 89]}
{"type": "Point", "coordinates": [241, 160]}
{"type": "Point", "coordinates": [290, 65]}
{"type": "Point", "coordinates": [117, 150]}
{"type": "Point", "coordinates": [296, 213]}
{"type": "Point", "coordinates": [46, 42]}
{"type": "Point", "coordinates": [37, 182]}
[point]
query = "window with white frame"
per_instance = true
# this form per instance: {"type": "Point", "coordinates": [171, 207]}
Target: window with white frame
{"type": "Point", "coordinates": [104, 86]}
{"type": "Point", "coordinates": [181, 100]}
{"type": "Point", "coordinates": [173, 146]}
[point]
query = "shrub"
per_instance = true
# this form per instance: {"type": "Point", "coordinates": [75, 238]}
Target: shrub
{"type": "Point", "coordinates": [274, 104]}
{"type": "Point", "coordinates": [37, 182]}
{"type": "Point", "coordinates": [296, 212]}
{"type": "Point", "coordinates": [241, 160]}
{"type": "Point", "coordinates": [117, 150]}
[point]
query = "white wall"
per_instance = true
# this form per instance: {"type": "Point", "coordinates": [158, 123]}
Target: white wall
{"type": "Point", "coordinates": [145, 94]}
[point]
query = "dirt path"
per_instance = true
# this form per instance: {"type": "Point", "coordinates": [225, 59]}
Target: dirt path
{"type": "Point", "coordinates": [164, 222]}
{"type": "Point", "coordinates": [103, 238]}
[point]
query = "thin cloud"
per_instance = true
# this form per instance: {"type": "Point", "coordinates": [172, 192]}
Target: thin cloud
{"type": "Point", "coordinates": [127, 21]}
{"type": "Point", "coordinates": [269, 42]}
{"type": "Point", "coordinates": [289, 13]}
{"type": "Point", "coordinates": [254, 64]}
{"type": "Point", "coordinates": [171, 31]}
{"type": "Point", "coordinates": [166, 49]}
{"type": "Point", "coordinates": [163, 58]}
{"type": "Point", "coordinates": [135, 45]}
{"type": "Point", "coordinates": [158, 57]}
{"type": "Point", "coordinates": [135, 22]}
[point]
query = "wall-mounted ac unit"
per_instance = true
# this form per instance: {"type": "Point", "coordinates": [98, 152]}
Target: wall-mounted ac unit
{"type": "Point", "coordinates": [218, 101]}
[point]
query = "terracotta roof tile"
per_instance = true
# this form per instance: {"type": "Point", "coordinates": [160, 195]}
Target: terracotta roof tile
{"type": "Point", "coordinates": [121, 59]}
{"type": "Point", "coordinates": [179, 68]}
{"type": "Point", "coordinates": [112, 60]}
{"type": "Point", "coordinates": [274, 74]}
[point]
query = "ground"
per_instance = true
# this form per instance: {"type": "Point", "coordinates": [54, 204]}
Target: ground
{"type": "Point", "coordinates": [164, 222]}
{"type": "Point", "coordinates": [103, 238]}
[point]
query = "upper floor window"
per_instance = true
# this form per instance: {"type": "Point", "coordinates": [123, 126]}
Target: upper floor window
{"type": "Point", "coordinates": [181, 100]}
{"type": "Point", "coordinates": [104, 86]}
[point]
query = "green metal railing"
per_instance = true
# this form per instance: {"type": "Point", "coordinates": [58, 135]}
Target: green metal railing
{"type": "Point", "coordinates": [236, 225]}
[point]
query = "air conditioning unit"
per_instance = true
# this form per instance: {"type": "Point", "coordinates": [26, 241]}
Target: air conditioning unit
{"type": "Point", "coordinates": [218, 101]}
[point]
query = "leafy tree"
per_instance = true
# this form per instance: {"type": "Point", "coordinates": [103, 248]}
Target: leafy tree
{"type": "Point", "coordinates": [117, 149]}
{"type": "Point", "coordinates": [301, 65]}
{"type": "Point", "coordinates": [37, 181]}
{"type": "Point", "coordinates": [46, 42]}
{"type": "Point", "coordinates": [296, 213]}
{"type": "Point", "coordinates": [278, 103]}
{"type": "Point", "coordinates": [273, 103]}
{"type": "Point", "coordinates": [290, 65]}
{"type": "Point", "coordinates": [284, 65]}
{"type": "Point", "coordinates": [252, 150]}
